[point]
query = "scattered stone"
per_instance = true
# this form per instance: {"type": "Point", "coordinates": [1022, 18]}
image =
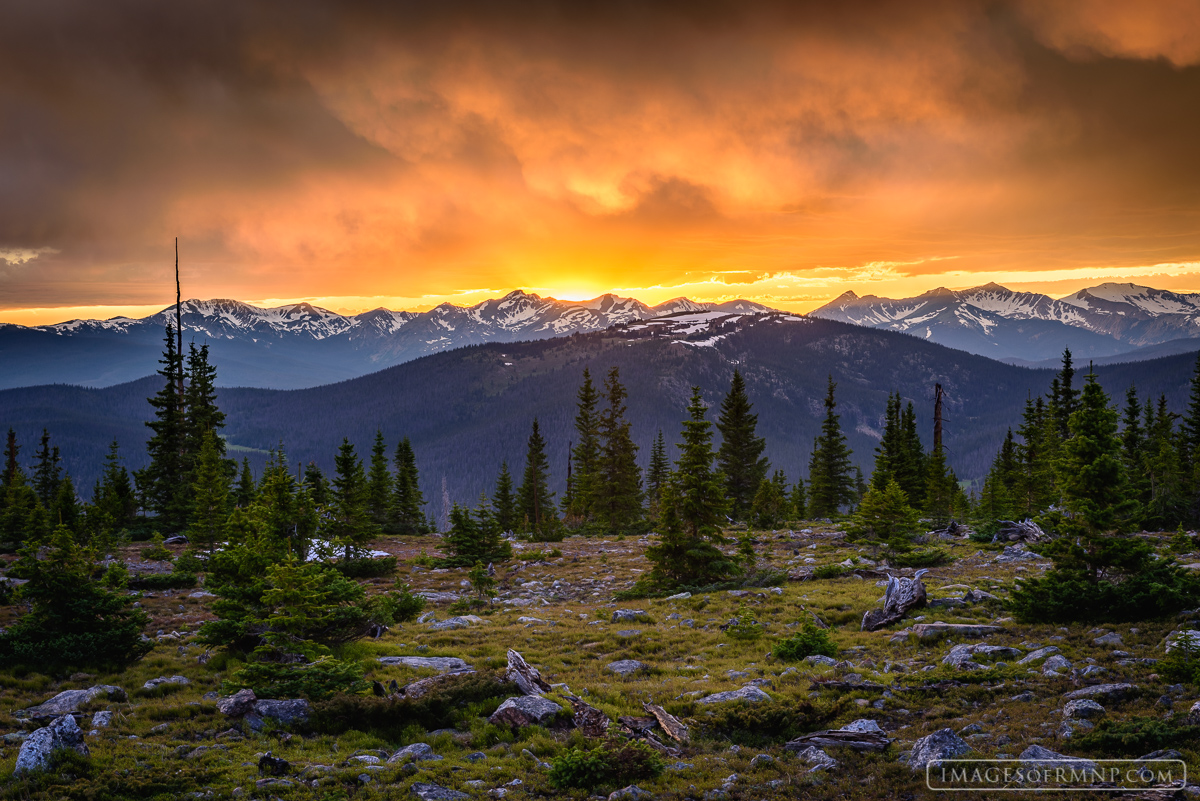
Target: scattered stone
{"type": "Point", "coordinates": [761, 759]}
{"type": "Point", "coordinates": [525, 710]}
{"type": "Point", "coordinates": [963, 657]}
{"type": "Point", "coordinates": [1110, 692]}
{"type": "Point", "coordinates": [627, 667]}
{"type": "Point", "coordinates": [630, 793]}
{"type": "Point", "coordinates": [236, 705]}
{"type": "Point", "coordinates": [1083, 708]}
{"type": "Point", "coordinates": [422, 687]}
{"type": "Point", "coordinates": [1189, 635]}
{"type": "Point", "coordinates": [627, 615]}
{"type": "Point", "coordinates": [36, 751]}
{"type": "Point", "coordinates": [69, 701]}
{"type": "Point", "coordinates": [1040, 653]}
{"type": "Point", "coordinates": [1166, 753]}
{"type": "Point", "coordinates": [417, 752]}
{"type": "Point", "coordinates": [942, 744]}
{"type": "Point", "coordinates": [750, 694]}
{"type": "Point", "coordinates": [854, 739]}
{"type": "Point", "coordinates": [102, 720]}
{"type": "Point", "coordinates": [1093, 670]}
{"type": "Point", "coordinates": [289, 712]}
{"type": "Point", "coordinates": [1016, 553]}
{"type": "Point", "coordinates": [458, 622]}
{"type": "Point", "coordinates": [1111, 638]}
{"type": "Point", "coordinates": [932, 631]}
{"type": "Point", "coordinates": [589, 720]}
{"type": "Point", "coordinates": [445, 664]}
{"type": "Point", "coordinates": [820, 659]}
{"type": "Point", "coordinates": [271, 765]}
{"type": "Point", "coordinates": [682, 596]}
{"type": "Point", "coordinates": [1041, 757]}
{"type": "Point", "coordinates": [863, 725]}
{"type": "Point", "coordinates": [978, 596]}
{"type": "Point", "coordinates": [526, 677]}
{"type": "Point", "coordinates": [435, 792]}
{"type": "Point", "coordinates": [1054, 664]}
{"type": "Point", "coordinates": [150, 685]}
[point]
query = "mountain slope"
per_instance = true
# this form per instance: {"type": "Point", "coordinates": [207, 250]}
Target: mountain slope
{"type": "Point", "coordinates": [468, 409]}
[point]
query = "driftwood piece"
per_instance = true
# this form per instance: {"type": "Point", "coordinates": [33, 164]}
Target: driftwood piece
{"type": "Point", "coordinates": [659, 745]}
{"type": "Point", "coordinates": [1019, 531]}
{"type": "Point", "coordinates": [836, 738]}
{"type": "Point", "coordinates": [527, 678]}
{"type": "Point", "coordinates": [669, 723]}
{"type": "Point", "coordinates": [902, 595]}
{"type": "Point", "coordinates": [589, 720]}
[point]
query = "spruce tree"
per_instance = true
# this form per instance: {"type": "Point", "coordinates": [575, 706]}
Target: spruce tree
{"type": "Point", "coordinates": [504, 502]}
{"type": "Point", "coordinates": [1066, 398]}
{"type": "Point", "coordinates": [616, 494]}
{"type": "Point", "coordinates": [203, 416]}
{"type": "Point", "coordinates": [740, 456]}
{"type": "Point", "coordinates": [1133, 445]}
{"type": "Point", "coordinates": [771, 502]}
{"type": "Point", "coordinates": [210, 496]}
{"type": "Point", "coordinates": [798, 500]}
{"type": "Point", "coordinates": [885, 517]}
{"type": "Point", "coordinates": [379, 485]}
{"type": "Point", "coordinates": [659, 469]}
{"type": "Point", "coordinates": [113, 498]}
{"type": "Point", "coordinates": [12, 467]}
{"type": "Point", "coordinates": [585, 456]}
{"type": "Point", "coordinates": [317, 484]}
{"type": "Point", "coordinates": [702, 505]}
{"type": "Point", "coordinates": [246, 490]}
{"type": "Point", "coordinates": [47, 474]}
{"type": "Point", "coordinates": [408, 518]}
{"type": "Point", "coordinates": [22, 516]}
{"type": "Point", "coordinates": [166, 477]}
{"type": "Point", "coordinates": [65, 509]}
{"type": "Point", "coordinates": [830, 474]}
{"type": "Point", "coordinates": [350, 524]}
{"type": "Point", "coordinates": [911, 467]}
{"type": "Point", "coordinates": [941, 488]}
{"type": "Point", "coordinates": [535, 502]}
{"type": "Point", "coordinates": [1162, 470]}
{"type": "Point", "coordinates": [474, 538]}
{"type": "Point", "coordinates": [891, 447]}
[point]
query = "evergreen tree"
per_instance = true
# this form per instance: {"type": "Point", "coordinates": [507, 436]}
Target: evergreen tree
{"type": "Point", "coordinates": [535, 502]}
{"type": "Point", "coordinates": [1066, 398]}
{"type": "Point", "coordinates": [504, 502]}
{"type": "Point", "coordinates": [1036, 453]}
{"type": "Point", "coordinates": [1162, 470]}
{"type": "Point", "coordinates": [771, 502]}
{"type": "Point", "coordinates": [65, 509]}
{"type": "Point", "coordinates": [349, 524]}
{"type": "Point", "coordinates": [246, 490]}
{"type": "Point", "coordinates": [616, 494]}
{"type": "Point", "coordinates": [113, 498]}
{"type": "Point", "coordinates": [12, 467]}
{"type": "Point", "coordinates": [585, 456]}
{"type": "Point", "coordinates": [657, 473]}
{"type": "Point", "coordinates": [1133, 445]}
{"type": "Point", "coordinates": [317, 484]}
{"type": "Point", "coordinates": [474, 538]}
{"type": "Point", "coordinates": [22, 516]}
{"type": "Point", "coordinates": [203, 416]}
{"type": "Point", "coordinates": [210, 496]}
{"type": "Point", "coordinates": [166, 477]}
{"type": "Point", "coordinates": [799, 500]}
{"type": "Point", "coordinates": [407, 516]}
{"type": "Point", "coordinates": [941, 488]}
{"type": "Point", "coordinates": [911, 467]}
{"type": "Point", "coordinates": [830, 474]}
{"type": "Point", "coordinates": [379, 485]}
{"type": "Point", "coordinates": [47, 474]}
{"type": "Point", "coordinates": [889, 452]}
{"type": "Point", "coordinates": [1000, 487]}
{"type": "Point", "coordinates": [740, 457]}
{"type": "Point", "coordinates": [885, 516]}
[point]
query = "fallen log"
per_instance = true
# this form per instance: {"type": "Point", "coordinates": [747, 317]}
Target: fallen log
{"type": "Point", "coordinates": [837, 738]}
{"type": "Point", "coordinates": [668, 722]}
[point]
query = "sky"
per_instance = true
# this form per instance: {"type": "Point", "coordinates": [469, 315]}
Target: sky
{"type": "Point", "coordinates": [402, 154]}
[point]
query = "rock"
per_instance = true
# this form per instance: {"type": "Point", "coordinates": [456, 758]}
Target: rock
{"type": "Point", "coordinates": [1112, 692]}
{"type": "Point", "coordinates": [682, 596]}
{"type": "Point", "coordinates": [630, 793]}
{"type": "Point", "coordinates": [627, 667]}
{"type": "Point", "coordinates": [1040, 653]}
{"type": "Point", "coordinates": [627, 615]}
{"type": "Point", "coordinates": [37, 750]}
{"type": "Point", "coordinates": [1193, 716]}
{"type": "Point", "coordinates": [69, 701]}
{"type": "Point", "coordinates": [102, 720]}
{"type": "Point", "coordinates": [270, 765]}
{"type": "Point", "coordinates": [422, 687]}
{"type": "Point", "coordinates": [1016, 553]}
{"type": "Point", "coordinates": [417, 752]}
{"type": "Point", "coordinates": [1024, 697]}
{"type": "Point", "coordinates": [589, 720]}
{"type": "Point", "coordinates": [525, 710]}
{"type": "Point", "coordinates": [288, 712]}
{"type": "Point", "coordinates": [817, 758]}
{"type": "Point", "coordinates": [629, 632]}
{"type": "Point", "coordinates": [1093, 670]}
{"type": "Point", "coordinates": [902, 595]}
{"type": "Point", "coordinates": [1189, 636]}
{"type": "Point", "coordinates": [444, 664]}
{"type": "Point", "coordinates": [863, 725]}
{"type": "Point", "coordinates": [1054, 664]}
{"type": "Point", "coordinates": [978, 596]}
{"type": "Point", "coordinates": [963, 657]}
{"type": "Point", "coordinates": [819, 659]}
{"type": "Point", "coordinates": [854, 739]}
{"type": "Point", "coordinates": [527, 678]}
{"type": "Point", "coordinates": [933, 631]}
{"type": "Point", "coordinates": [1166, 753]}
{"type": "Point", "coordinates": [1018, 531]}
{"type": "Point", "coordinates": [672, 725]}
{"type": "Point", "coordinates": [1113, 639]}
{"type": "Point", "coordinates": [459, 622]}
{"type": "Point", "coordinates": [178, 539]}
{"type": "Point", "coordinates": [150, 685]}
{"type": "Point", "coordinates": [1041, 757]}
{"type": "Point", "coordinates": [942, 744]}
{"type": "Point", "coordinates": [236, 705]}
{"type": "Point", "coordinates": [201, 594]}
{"type": "Point", "coordinates": [435, 792]}
{"type": "Point", "coordinates": [1083, 708]}
{"type": "Point", "coordinates": [750, 694]}
{"type": "Point", "coordinates": [761, 759]}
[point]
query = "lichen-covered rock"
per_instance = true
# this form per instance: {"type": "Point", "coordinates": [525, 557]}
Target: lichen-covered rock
{"type": "Point", "coordinates": [238, 704]}
{"type": "Point", "coordinates": [1041, 653]}
{"type": "Point", "coordinates": [287, 712]}
{"type": "Point", "coordinates": [1054, 664]}
{"type": "Point", "coordinates": [942, 744]}
{"type": "Point", "coordinates": [969, 656]}
{"type": "Point", "coordinates": [417, 752]}
{"type": "Point", "coordinates": [627, 667]}
{"type": "Point", "coordinates": [1083, 708]}
{"type": "Point", "coordinates": [525, 710]}
{"type": "Point", "coordinates": [36, 751]}
{"type": "Point", "coordinates": [628, 615]}
{"type": "Point", "coordinates": [445, 664]}
{"type": "Point", "coordinates": [1041, 757]}
{"type": "Point", "coordinates": [1111, 639]}
{"type": "Point", "coordinates": [750, 694]}
{"type": "Point", "coordinates": [150, 685]}
{"type": "Point", "coordinates": [864, 725]}
{"type": "Point", "coordinates": [818, 759]}
{"type": "Point", "coordinates": [69, 701]}
{"type": "Point", "coordinates": [630, 793]}
{"type": "Point", "coordinates": [435, 792]}
{"type": "Point", "coordinates": [1106, 691]}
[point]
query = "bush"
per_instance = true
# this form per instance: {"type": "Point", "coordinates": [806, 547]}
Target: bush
{"type": "Point", "coordinates": [744, 626]}
{"type": "Point", "coordinates": [314, 680]}
{"type": "Point", "coordinates": [1137, 735]}
{"type": "Point", "coordinates": [366, 568]}
{"type": "Point", "coordinates": [1182, 662]}
{"type": "Point", "coordinates": [766, 722]}
{"type": "Point", "coordinates": [189, 562]}
{"type": "Point", "coordinates": [809, 641]}
{"type": "Point", "coordinates": [615, 763]}
{"type": "Point", "coordinates": [157, 551]}
{"type": "Point", "coordinates": [830, 571]}
{"type": "Point", "coordinates": [923, 557]}
{"type": "Point", "coordinates": [163, 581]}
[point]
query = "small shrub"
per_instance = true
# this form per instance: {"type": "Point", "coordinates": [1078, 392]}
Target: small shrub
{"type": "Point", "coordinates": [1182, 662]}
{"type": "Point", "coordinates": [189, 562]}
{"type": "Point", "coordinates": [809, 641]}
{"type": "Point", "coordinates": [156, 551]}
{"type": "Point", "coordinates": [116, 577]}
{"type": "Point", "coordinates": [766, 722]}
{"type": "Point", "coordinates": [830, 571]}
{"type": "Point", "coordinates": [424, 560]}
{"type": "Point", "coordinates": [163, 581]}
{"type": "Point", "coordinates": [613, 764]}
{"type": "Point", "coordinates": [366, 568]}
{"type": "Point", "coordinates": [314, 680]}
{"type": "Point", "coordinates": [744, 626]}
{"type": "Point", "coordinates": [923, 557]}
{"type": "Point", "coordinates": [1137, 735]}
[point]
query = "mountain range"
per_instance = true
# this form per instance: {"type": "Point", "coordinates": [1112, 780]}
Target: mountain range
{"type": "Point", "coordinates": [301, 345]}
{"type": "Point", "coordinates": [1109, 320]}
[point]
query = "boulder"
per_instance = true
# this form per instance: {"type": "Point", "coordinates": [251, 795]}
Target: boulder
{"type": "Point", "coordinates": [978, 596]}
{"type": "Point", "coordinates": [1111, 639]}
{"type": "Point", "coordinates": [69, 701]}
{"type": "Point", "coordinates": [1054, 664]}
{"type": "Point", "coordinates": [287, 712]}
{"type": "Point", "coordinates": [1041, 757]}
{"type": "Point", "coordinates": [968, 656]}
{"type": "Point", "coordinates": [933, 631]}
{"type": "Point", "coordinates": [435, 792]}
{"type": "Point", "coordinates": [863, 725]}
{"type": "Point", "coordinates": [902, 595]}
{"type": "Point", "coordinates": [421, 687]}
{"type": "Point", "coordinates": [630, 793]}
{"type": "Point", "coordinates": [627, 615]}
{"type": "Point", "coordinates": [236, 705]}
{"type": "Point", "coordinates": [627, 667]}
{"type": "Point", "coordinates": [1084, 708]}
{"type": "Point", "coordinates": [521, 673]}
{"type": "Point", "coordinates": [818, 759]}
{"type": "Point", "coordinates": [1016, 553]}
{"type": "Point", "coordinates": [942, 744]}
{"type": "Point", "coordinates": [102, 720]}
{"type": "Point", "coordinates": [1111, 692]}
{"type": "Point", "coordinates": [854, 739]}
{"type": "Point", "coordinates": [589, 720]}
{"type": "Point", "coordinates": [271, 765]}
{"type": "Point", "coordinates": [150, 685]}
{"type": "Point", "coordinates": [820, 659]}
{"type": "Point", "coordinates": [1189, 636]}
{"type": "Point", "coordinates": [1040, 653]}
{"type": "Point", "coordinates": [750, 694]}
{"type": "Point", "coordinates": [525, 710]}
{"type": "Point", "coordinates": [445, 664]}
{"type": "Point", "coordinates": [1019, 531]}
{"type": "Point", "coordinates": [459, 622]}
{"type": "Point", "coordinates": [417, 752]}
{"type": "Point", "coordinates": [37, 750]}
{"type": "Point", "coordinates": [1193, 716]}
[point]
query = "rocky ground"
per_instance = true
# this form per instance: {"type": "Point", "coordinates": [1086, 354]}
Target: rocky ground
{"type": "Point", "coordinates": [954, 677]}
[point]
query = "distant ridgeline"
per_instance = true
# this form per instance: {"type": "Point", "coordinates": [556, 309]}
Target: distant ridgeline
{"type": "Point", "coordinates": [591, 433]}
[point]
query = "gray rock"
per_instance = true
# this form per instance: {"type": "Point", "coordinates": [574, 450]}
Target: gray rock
{"type": "Point", "coordinates": [629, 632]}
{"type": "Point", "coordinates": [630, 793]}
{"type": "Point", "coordinates": [1016, 553]}
{"type": "Point", "coordinates": [627, 667]}
{"type": "Point", "coordinates": [1040, 653]}
{"type": "Point", "coordinates": [682, 596]}
{"type": "Point", "coordinates": [271, 765]}
{"type": "Point", "coordinates": [1041, 757]}
{"type": "Point", "coordinates": [942, 744]}
{"type": "Point", "coordinates": [819, 659]}
{"type": "Point", "coordinates": [288, 712]}
{"type": "Point", "coordinates": [1054, 664]}
{"type": "Point", "coordinates": [525, 710]}
{"type": "Point", "coordinates": [932, 631]}
{"type": "Point", "coordinates": [435, 792]}
{"type": "Point", "coordinates": [450, 623]}
{"type": "Point", "coordinates": [902, 595]}
{"type": "Point", "coordinates": [817, 758]}
{"type": "Point", "coordinates": [965, 656]}
{"type": "Point", "coordinates": [761, 759]}
{"type": "Point", "coordinates": [36, 751]}
{"type": "Point", "coordinates": [1190, 636]}
{"type": "Point", "coordinates": [1093, 670]}
{"type": "Point", "coordinates": [1112, 692]}
{"type": "Point", "coordinates": [750, 694]}
{"type": "Point", "coordinates": [1166, 753]}
{"type": "Point", "coordinates": [864, 725]}
{"type": "Point", "coordinates": [1113, 639]}
{"type": "Point", "coordinates": [69, 701]}
{"type": "Point", "coordinates": [627, 615]}
{"type": "Point", "coordinates": [238, 704]}
{"type": "Point", "coordinates": [150, 685]}
{"type": "Point", "coordinates": [1083, 708]}
{"type": "Point", "coordinates": [440, 663]}
{"type": "Point", "coordinates": [417, 752]}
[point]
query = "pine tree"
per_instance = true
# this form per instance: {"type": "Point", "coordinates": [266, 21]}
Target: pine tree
{"type": "Point", "coordinates": [165, 478]}
{"type": "Point", "coordinates": [350, 525]}
{"type": "Point", "coordinates": [830, 474]}
{"type": "Point", "coordinates": [740, 456]}
{"type": "Point", "coordinates": [47, 474]}
{"type": "Point", "coordinates": [203, 416]}
{"type": "Point", "coordinates": [891, 447]}
{"type": "Point", "coordinates": [940, 489]}
{"type": "Point", "coordinates": [474, 538]}
{"type": "Point", "coordinates": [408, 518]}
{"type": "Point", "coordinates": [246, 490]}
{"type": "Point", "coordinates": [504, 502]}
{"type": "Point", "coordinates": [12, 467]}
{"type": "Point", "coordinates": [22, 516]}
{"type": "Point", "coordinates": [1162, 470]}
{"type": "Point", "coordinates": [379, 485]}
{"type": "Point", "coordinates": [65, 509]}
{"type": "Point", "coordinates": [1000, 487]}
{"type": "Point", "coordinates": [1133, 442]}
{"type": "Point", "coordinates": [210, 496]}
{"type": "Point", "coordinates": [585, 456]}
{"type": "Point", "coordinates": [771, 502]}
{"type": "Point", "coordinates": [659, 469]}
{"type": "Point", "coordinates": [535, 502]}
{"type": "Point", "coordinates": [798, 500]}
{"type": "Point", "coordinates": [911, 468]}
{"type": "Point", "coordinates": [885, 516]}
{"type": "Point", "coordinates": [1066, 399]}
{"type": "Point", "coordinates": [616, 494]}
{"type": "Point", "coordinates": [113, 498]}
